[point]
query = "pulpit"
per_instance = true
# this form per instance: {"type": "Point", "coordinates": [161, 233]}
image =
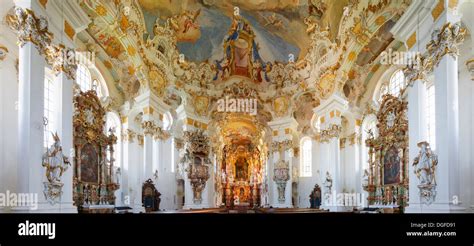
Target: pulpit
{"type": "Point", "coordinates": [150, 197]}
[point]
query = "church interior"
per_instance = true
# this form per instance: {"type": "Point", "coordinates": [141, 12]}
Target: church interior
{"type": "Point", "coordinates": [236, 106]}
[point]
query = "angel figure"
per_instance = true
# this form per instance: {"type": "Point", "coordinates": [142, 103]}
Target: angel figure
{"type": "Point", "coordinates": [55, 161]}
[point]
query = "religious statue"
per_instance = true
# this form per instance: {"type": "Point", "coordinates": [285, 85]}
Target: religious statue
{"type": "Point", "coordinates": [315, 197]}
{"type": "Point", "coordinates": [56, 163]}
{"type": "Point", "coordinates": [328, 184]}
{"type": "Point", "coordinates": [281, 176]}
{"type": "Point", "coordinates": [425, 169]}
{"type": "Point", "coordinates": [365, 178]}
{"type": "Point", "coordinates": [328, 181]}
{"type": "Point", "coordinates": [425, 164]}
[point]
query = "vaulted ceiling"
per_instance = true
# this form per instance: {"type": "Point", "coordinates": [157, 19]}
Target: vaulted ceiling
{"type": "Point", "coordinates": [173, 47]}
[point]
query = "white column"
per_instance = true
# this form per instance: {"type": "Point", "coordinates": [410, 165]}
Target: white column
{"type": "Point", "coordinates": [30, 113]}
{"type": "Point", "coordinates": [274, 188]}
{"type": "Point", "coordinates": [470, 113]}
{"type": "Point", "coordinates": [65, 131]}
{"type": "Point", "coordinates": [288, 156]}
{"type": "Point", "coordinates": [8, 115]}
{"type": "Point", "coordinates": [157, 158]}
{"type": "Point", "coordinates": [148, 171]}
{"type": "Point", "coordinates": [416, 133]}
{"type": "Point", "coordinates": [447, 131]}
{"type": "Point", "coordinates": [131, 175]}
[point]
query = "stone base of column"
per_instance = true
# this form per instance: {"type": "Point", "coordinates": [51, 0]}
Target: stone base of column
{"type": "Point", "coordinates": [67, 208]}
{"type": "Point", "coordinates": [281, 205]}
{"type": "Point", "coordinates": [418, 208]}
{"type": "Point", "coordinates": [337, 208]}
{"type": "Point", "coordinates": [196, 206]}
{"type": "Point", "coordinates": [137, 208]}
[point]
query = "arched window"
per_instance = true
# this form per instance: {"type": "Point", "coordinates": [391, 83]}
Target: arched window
{"type": "Point", "coordinates": [167, 121]}
{"type": "Point", "coordinates": [50, 110]}
{"type": "Point", "coordinates": [306, 157]}
{"type": "Point", "coordinates": [317, 124]}
{"type": "Point", "coordinates": [96, 86]}
{"type": "Point", "coordinates": [83, 78]}
{"type": "Point", "coordinates": [393, 87]}
{"type": "Point", "coordinates": [113, 124]}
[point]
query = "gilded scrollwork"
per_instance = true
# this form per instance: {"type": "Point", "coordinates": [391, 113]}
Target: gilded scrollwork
{"type": "Point", "coordinates": [129, 135]}
{"type": "Point", "coordinates": [333, 131]}
{"type": "Point", "coordinates": [388, 154]}
{"type": "Point", "coordinates": [30, 28]}
{"type": "Point", "coordinates": [195, 161]}
{"type": "Point", "coordinates": [93, 181]}
{"type": "Point", "coordinates": [281, 146]}
{"type": "Point", "coordinates": [148, 127]}
{"type": "Point", "coordinates": [281, 177]}
{"type": "Point", "coordinates": [444, 41]}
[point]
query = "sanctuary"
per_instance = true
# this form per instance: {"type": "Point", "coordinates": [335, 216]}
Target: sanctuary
{"type": "Point", "coordinates": [237, 106]}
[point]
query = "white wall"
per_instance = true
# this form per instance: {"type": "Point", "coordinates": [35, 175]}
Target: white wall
{"type": "Point", "coordinates": [8, 110]}
{"type": "Point", "coordinates": [466, 124]}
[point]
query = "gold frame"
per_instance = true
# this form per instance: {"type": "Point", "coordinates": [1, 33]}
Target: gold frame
{"type": "Point", "coordinates": [391, 134]}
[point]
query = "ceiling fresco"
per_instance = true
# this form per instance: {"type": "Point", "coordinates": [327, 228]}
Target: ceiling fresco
{"type": "Point", "coordinates": [291, 54]}
{"type": "Point", "coordinates": [278, 25]}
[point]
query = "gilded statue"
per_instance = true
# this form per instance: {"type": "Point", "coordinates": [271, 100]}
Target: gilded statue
{"type": "Point", "coordinates": [55, 162]}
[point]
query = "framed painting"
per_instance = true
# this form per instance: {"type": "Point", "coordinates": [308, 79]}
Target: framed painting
{"type": "Point", "coordinates": [89, 164]}
{"type": "Point", "coordinates": [391, 166]}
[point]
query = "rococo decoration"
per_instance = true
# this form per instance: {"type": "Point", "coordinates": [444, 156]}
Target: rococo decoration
{"type": "Point", "coordinates": [388, 155]}
{"type": "Point", "coordinates": [425, 169]}
{"type": "Point", "coordinates": [195, 162]}
{"type": "Point", "coordinates": [444, 41]}
{"type": "Point", "coordinates": [55, 163]}
{"type": "Point", "coordinates": [281, 176]}
{"type": "Point", "coordinates": [30, 28]}
{"type": "Point", "coordinates": [93, 163]}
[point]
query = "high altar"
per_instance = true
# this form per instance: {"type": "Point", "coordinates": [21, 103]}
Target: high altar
{"type": "Point", "coordinates": [241, 176]}
{"type": "Point", "coordinates": [93, 184]}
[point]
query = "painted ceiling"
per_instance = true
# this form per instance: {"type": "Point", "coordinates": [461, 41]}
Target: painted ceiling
{"type": "Point", "coordinates": [278, 24]}
{"type": "Point", "coordinates": [191, 52]}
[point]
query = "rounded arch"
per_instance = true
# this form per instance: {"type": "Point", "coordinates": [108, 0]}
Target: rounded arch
{"type": "Point", "coordinates": [306, 156]}
{"type": "Point", "coordinates": [167, 121]}
{"type": "Point", "coordinates": [88, 77]}
{"type": "Point", "coordinates": [101, 85]}
{"type": "Point", "coordinates": [384, 80]}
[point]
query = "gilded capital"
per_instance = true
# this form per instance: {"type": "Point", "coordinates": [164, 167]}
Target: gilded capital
{"type": "Point", "coordinates": [129, 135]}
{"type": "Point", "coordinates": [148, 127]}
{"type": "Point", "coordinates": [29, 28]}
{"type": "Point", "coordinates": [333, 131]}
{"type": "Point", "coordinates": [445, 41]}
